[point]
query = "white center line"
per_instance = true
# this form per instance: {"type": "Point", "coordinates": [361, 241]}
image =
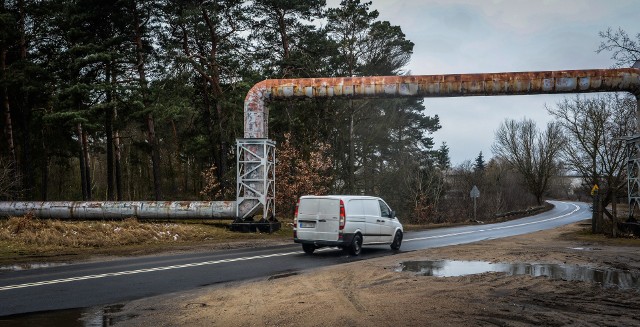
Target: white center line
{"type": "Point", "coordinates": [495, 228]}
{"type": "Point", "coordinates": [139, 271]}
{"type": "Point", "coordinates": [215, 262]}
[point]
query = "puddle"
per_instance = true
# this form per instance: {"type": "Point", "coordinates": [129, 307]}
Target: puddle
{"type": "Point", "coordinates": [451, 268]}
{"type": "Point", "coordinates": [585, 249]}
{"type": "Point", "coordinates": [27, 266]}
{"type": "Point", "coordinates": [283, 275]}
{"type": "Point", "coordinates": [85, 317]}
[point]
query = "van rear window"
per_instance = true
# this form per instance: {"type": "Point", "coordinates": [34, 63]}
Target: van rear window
{"type": "Point", "coordinates": [319, 206]}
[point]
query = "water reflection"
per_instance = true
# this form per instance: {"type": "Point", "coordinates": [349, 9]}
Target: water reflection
{"type": "Point", "coordinates": [84, 317]}
{"type": "Point", "coordinates": [451, 268]}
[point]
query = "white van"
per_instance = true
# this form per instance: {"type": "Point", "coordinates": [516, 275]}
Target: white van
{"type": "Point", "coordinates": [345, 221]}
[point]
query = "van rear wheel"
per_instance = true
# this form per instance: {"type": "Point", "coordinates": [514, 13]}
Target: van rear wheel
{"type": "Point", "coordinates": [356, 245]}
{"type": "Point", "coordinates": [397, 241]}
{"type": "Point", "coordinates": [308, 248]}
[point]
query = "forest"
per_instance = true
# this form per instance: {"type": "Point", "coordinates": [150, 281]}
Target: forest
{"type": "Point", "coordinates": [143, 100]}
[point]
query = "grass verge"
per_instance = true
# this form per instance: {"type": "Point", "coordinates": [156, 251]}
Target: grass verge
{"type": "Point", "coordinates": [28, 238]}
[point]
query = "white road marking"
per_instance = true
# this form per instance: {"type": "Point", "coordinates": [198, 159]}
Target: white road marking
{"type": "Point", "coordinates": [132, 272]}
{"type": "Point", "coordinates": [495, 228]}
{"type": "Point", "coordinates": [205, 263]}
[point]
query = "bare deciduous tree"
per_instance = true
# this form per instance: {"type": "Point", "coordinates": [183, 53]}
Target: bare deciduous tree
{"type": "Point", "coordinates": [300, 174]}
{"type": "Point", "coordinates": [425, 187]}
{"type": "Point", "coordinates": [9, 182]}
{"type": "Point", "coordinates": [531, 152]}
{"type": "Point", "coordinates": [500, 188]}
{"type": "Point", "coordinates": [594, 128]}
{"type": "Point", "coordinates": [625, 50]}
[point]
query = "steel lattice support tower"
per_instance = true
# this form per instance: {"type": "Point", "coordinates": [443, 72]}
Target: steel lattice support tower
{"type": "Point", "coordinates": [255, 179]}
{"type": "Point", "coordinates": [633, 174]}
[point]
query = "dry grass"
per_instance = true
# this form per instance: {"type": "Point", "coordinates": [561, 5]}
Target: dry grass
{"type": "Point", "coordinates": [585, 235]}
{"type": "Point", "coordinates": [28, 237]}
{"type": "Point", "coordinates": [27, 230]}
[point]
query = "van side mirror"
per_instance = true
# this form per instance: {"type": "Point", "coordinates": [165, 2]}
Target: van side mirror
{"type": "Point", "coordinates": [392, 214]}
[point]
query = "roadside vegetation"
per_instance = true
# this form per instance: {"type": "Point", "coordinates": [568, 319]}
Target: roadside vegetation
{"type": "Point", "coordinates": [28, 238]}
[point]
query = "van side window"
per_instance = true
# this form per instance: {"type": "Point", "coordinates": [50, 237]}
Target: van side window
{"type": "Point", "coordinates": [384, 210]}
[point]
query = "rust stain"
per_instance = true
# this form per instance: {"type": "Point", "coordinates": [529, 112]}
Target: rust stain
{"type": "Point", "coordinates": [453, 85]}
{"type": "Point", "coordinates": [118, 210]}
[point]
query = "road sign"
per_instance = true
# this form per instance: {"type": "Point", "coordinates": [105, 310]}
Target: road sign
{"type": "Point", "coordinates": [594, 189]}
{"type": "Point", "coordinates": [475, 192]}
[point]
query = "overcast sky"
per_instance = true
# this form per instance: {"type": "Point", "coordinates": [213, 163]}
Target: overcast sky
{"type": "Point", "coordinates": [489, 36]}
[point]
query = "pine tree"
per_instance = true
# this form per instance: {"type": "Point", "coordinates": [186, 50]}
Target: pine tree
{"type": "Point", "coordinates": [443, 162]}
{"type": "Point", "coordinates": [280, 36]}
{"type": "Point", "coordinates": [209, 37]}
{"type": "Point", "coordinates": [479, 164]}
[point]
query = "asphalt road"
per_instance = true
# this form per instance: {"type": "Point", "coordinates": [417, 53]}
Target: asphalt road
{"type": "Point", "coordinates": [92, 284]}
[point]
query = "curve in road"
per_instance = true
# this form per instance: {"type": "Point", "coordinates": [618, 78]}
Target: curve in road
{"type": "Point", "coordinates": [92, 284]}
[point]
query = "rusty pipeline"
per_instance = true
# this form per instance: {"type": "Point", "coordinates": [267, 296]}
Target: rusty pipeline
{"type": "Point", "coordinates": [256, 116]}
{"type": "Point", "coordinates": [145, 210]}
{"type": "Point", "coordinates": [515, 83]}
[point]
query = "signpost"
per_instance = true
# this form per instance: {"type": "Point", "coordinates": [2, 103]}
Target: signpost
{"type": "Point", "coordinates": [474, 194]}
{"type": "Point", "coordinates": [595, 215]}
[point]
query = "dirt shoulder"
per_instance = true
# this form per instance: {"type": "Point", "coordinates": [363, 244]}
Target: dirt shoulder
{"type": "Point", "coordinates": [374, 293]}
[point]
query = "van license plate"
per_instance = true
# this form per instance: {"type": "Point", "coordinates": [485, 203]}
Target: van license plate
{"type": "Point", "coordinates": [307, 225]}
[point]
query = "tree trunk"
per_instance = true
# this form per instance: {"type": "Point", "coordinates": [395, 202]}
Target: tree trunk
{"type": "Point", "coordinates": [155, 156]}
{"type": "Point", "coordinates": [151, 133]}
{"type": "Point", "coordinates": [178, 166]}
{"type": "Point", "coordinates": [118, 165]}
{"type": "Point", "coordinates": [8, 126]}
{"type": "Point", "coordinates": [83, 171]}
{"type": "Point", "coordinates": [637, 113]}
{"type": "Point", "coordinates": [208, 118]}
{"type": "Point", "coordinates": [108, 126]}
{"type": "Point", "coordinates": [222, 165]}
{"type": "Point", "coordinates": [44, 184]}
{"type": "Point", "coordinates": [284, 40]}
{"type": "Point", "coordinates": [614, 221]}
{"type": "Point", "coordinates": [87, 164]}
{"type": "Point", "coordinates": [187, 171]}
{"type": "Point", "coordinates": [28, 180]}
{"type": "Point", "coordinates": [27, 162]}
{"type": "Point", "coordinates": [352, 154]}
{"type": "Point", "coordinates": [117, 149]}
{"type": "Point", "coordinates": [22, 27]}
{"type": "Point", "coordinates": [212, 75]}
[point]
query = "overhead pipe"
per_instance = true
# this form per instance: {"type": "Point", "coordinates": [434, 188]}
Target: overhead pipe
{"type": "Point", "coordinates": [256, 113]}
{"type": "Point", "coordinates": [256, 117]}
{"type": "Point", "coordinates": [143, 210]}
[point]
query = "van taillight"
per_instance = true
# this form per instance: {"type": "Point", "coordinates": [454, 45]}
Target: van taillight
{"type": "Point", "coordinates": [342, 215]}
{"type": "Point", "coordinates": [295, 221]}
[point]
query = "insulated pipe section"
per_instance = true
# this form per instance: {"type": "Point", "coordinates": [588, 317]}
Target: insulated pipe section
{"type": "Point", "coordinates": [256, 113]}
{"type": "Point", "coordinates": [96, 210]}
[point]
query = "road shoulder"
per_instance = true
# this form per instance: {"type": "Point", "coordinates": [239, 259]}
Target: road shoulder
{"type": "Point", "coordinates": [373, 292]}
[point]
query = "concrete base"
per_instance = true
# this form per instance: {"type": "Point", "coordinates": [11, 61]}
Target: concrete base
{"type": "Point", "coordinates": [264, 226]}
{"type": "Point", "coordinates": [630, 227]}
